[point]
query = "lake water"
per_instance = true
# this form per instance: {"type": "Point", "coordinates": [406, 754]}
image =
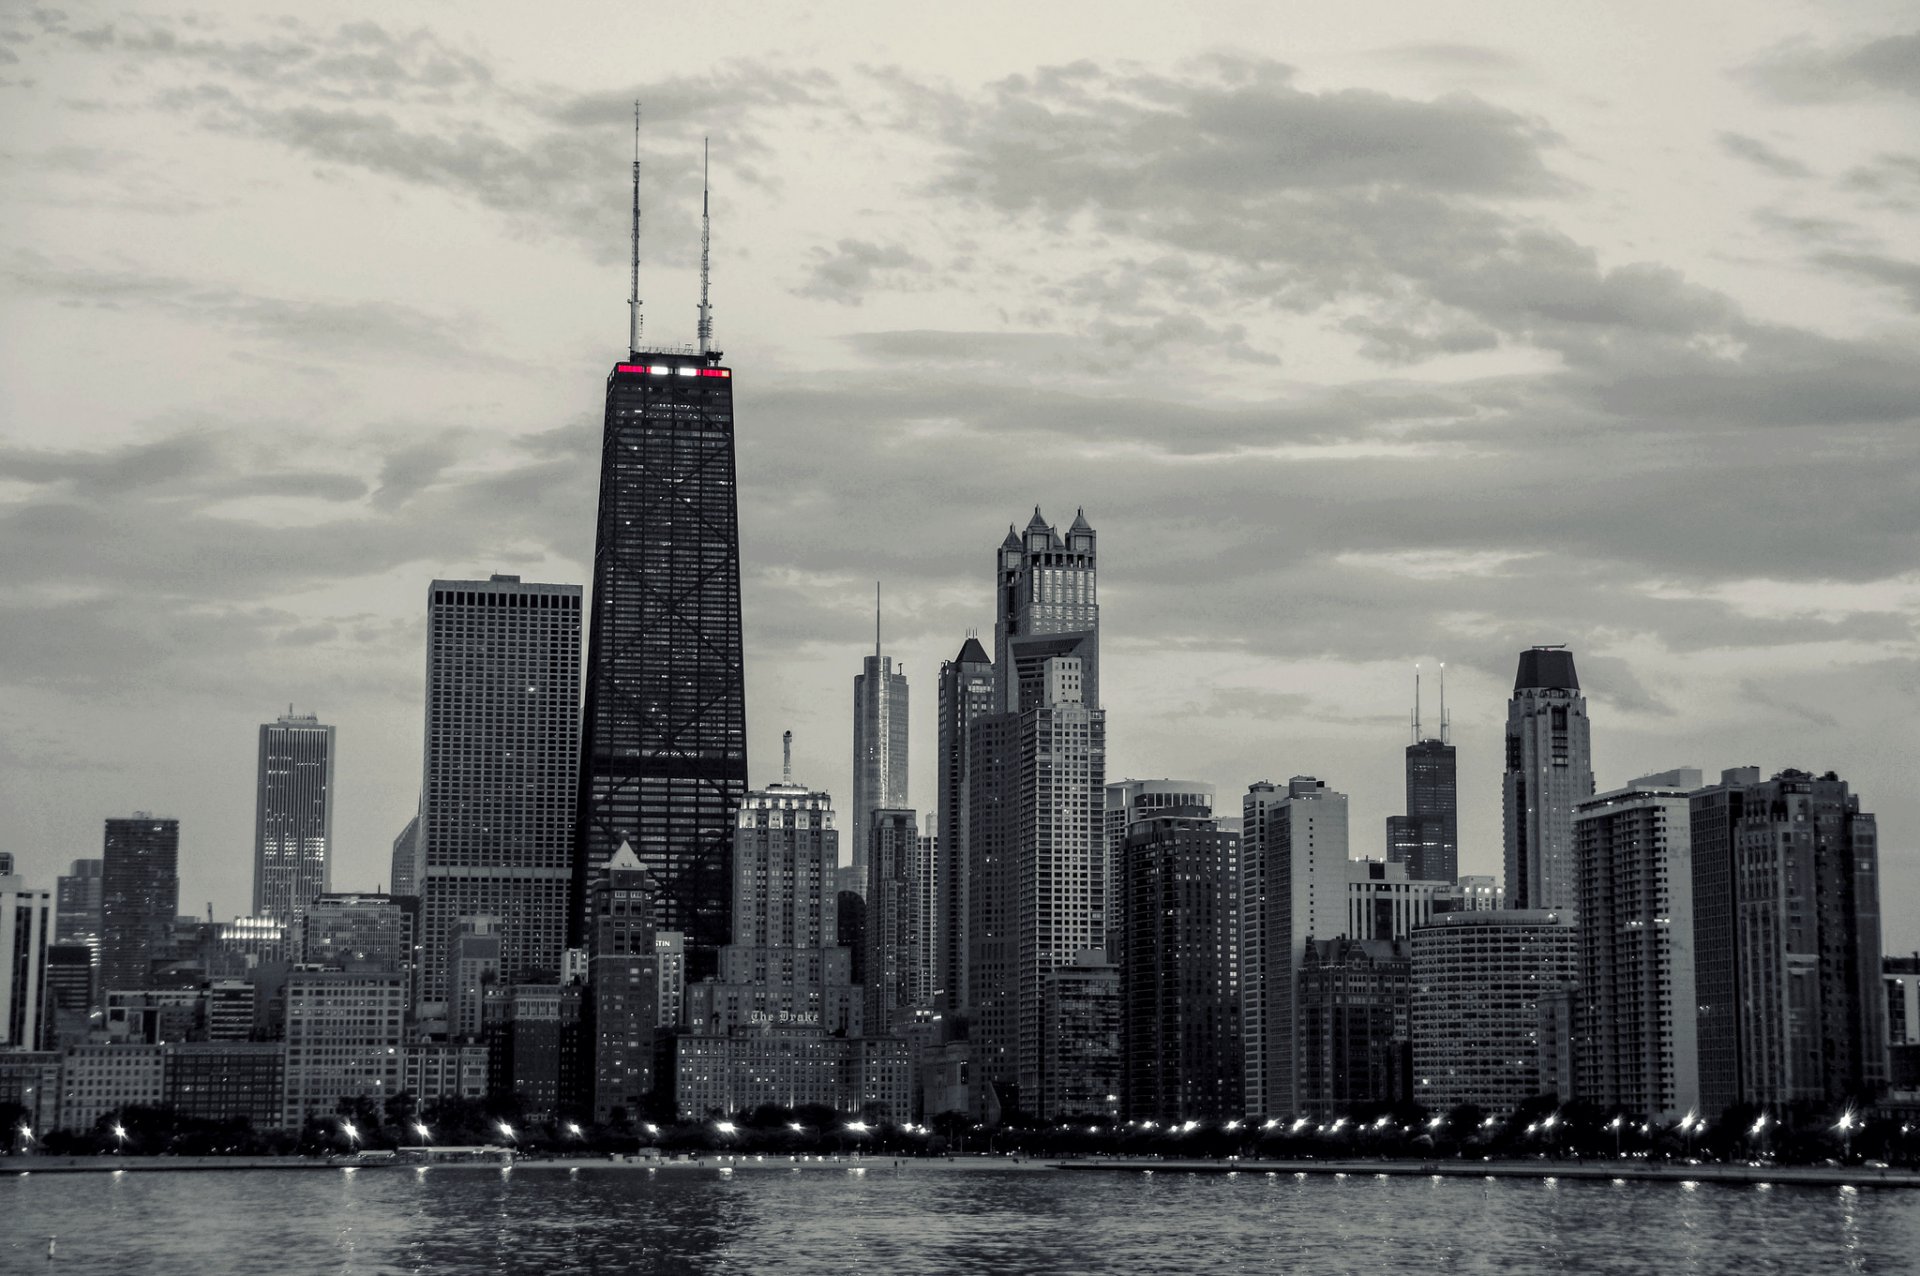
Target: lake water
{"type": "Point", "coordinates": [604, 1220]}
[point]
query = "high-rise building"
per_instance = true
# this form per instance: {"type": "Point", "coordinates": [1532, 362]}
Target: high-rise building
{"type": "Point", "coordinates": [1036, 803]}
{"type": "Point", "coordinates": [77, 905]}
{"type": "Point", "coordinates": [1479, 982]}
{"type": "Point", "coordinates": [623, 981]}
{"type": "Point", "coordinates": [1354, 1010]}
{"type": "Point", "coordinates": [966, 694]}
{"type": "Point", "coordinates": [1131, 800]}
{"type": "Point", "coordinates": [663, 761]}
{"type": "Point", "coordinates": [1427, 838]}
{"type": "Point", "coordinates": [879, 745]}
{"type": "Point", "coordinates": [69, 994]}
{"type": "Point", "coordinates": [344, 1035]}
{"type": "Point", "coordinates": [1177, 944]}
{"type": "Point", "coordinates": [293, 816]}
{"type": "Point", "coordinates": [26, 926]}
{"type": "Point", "coordinates": [1080, 1066]}
{"type": "Point", "coordinates": [1715, 813]}
{"type": "Point", "coordinates": [1635, 1045]}
{"type": "Point", "coordinates": [1300, 838]}
{"type": "Point", "coordinates": [350, 930]}
{"type": "Point", "coordinates": [1807, 924]}
{"type": "Point", "coordinates": [502, 740]}
{"type": "Point", "coordinates": [671, 949]}
{"type": "Point", "coordinates": [1549, 769]}
{"type": "Point", "coordinates": [473, 971]}
{"type": "Point", "coordinates": [406, 859]}
{"type": "Point", "coordinates": [925, 965]}
{"type": "Point", "coordinates": [139, 895]}
{"type": "Point", "coordinates": [892, 922]}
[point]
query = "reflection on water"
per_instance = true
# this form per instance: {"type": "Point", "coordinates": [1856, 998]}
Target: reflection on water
{"type": "Point", "coordinates": [696, 1221]}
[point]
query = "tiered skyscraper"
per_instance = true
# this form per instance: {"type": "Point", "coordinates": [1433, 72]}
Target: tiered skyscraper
{"type": "Point", "coordinates": [1036, 809]}
{"type": "Point", "coordinates": [503, 677]}
{"type": "Point", "coordinates": [293, 817]}
{"type": "Point", "coordinates": [1549, 770]}
{"type": "Point", "coordinates": [663, 757]}
{"type": "Point", "coordinates": [1427, 838]}
{"type": "Point", "coordinates": [879, 747]}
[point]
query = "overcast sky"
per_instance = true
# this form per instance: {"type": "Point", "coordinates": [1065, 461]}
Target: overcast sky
{"type": "Point", "coordinates": [1367, 335]}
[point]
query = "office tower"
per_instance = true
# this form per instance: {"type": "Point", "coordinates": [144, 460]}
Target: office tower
{"type": "Point", "coordinates": [1384, 903]}
{"type": "Point", "coordinates": [892, 922]}
{"type": "Point", "coordinates": [1354, 1020]}
{"type": "Point", "coordinates": [1714, 814]}
{"type": "Point", "coordinates": [1479, 981]}
{"type": "Point", "coordinates": [1036, 802]}
{"type": "Point", "coordinates": [1081, 1064]}
{"type": "Point", "coordinates": [496, 806]}
{"type": "Point", "coordinates": [293, 816]}
{"type": "Point", "coordinates": [1807, 924]}
{"type": "Point", "coordinates": [1427, 838]}
{"type": "Point", "coordinates": [402, 875]}
{"type": "Point", "coordinates": [69, 994]}
{"type": "Point", "coordinates": [1635, 1040]}
{"type": "Point", "coordinates": [1299, 837]}
{"type": "Point", "coordinates": [783, 1022]}
{"type": "Point", "coordinates": [1177, 944]}
{"type": "Point", "coordinates": [344, 1034]}
{"type": "Point", "coordinates": [139, 893]}
{"type": "Point", "coordinates": [1549, 769]}
{"type": "Point", "coordinates": [966, 694]}
{"type": "Point", "coordinates": [473, 970]}
{"type": "Point", "coordinates": [354, 931]}
{"type": "Point", "coordinates": [77, 905]}
{"type": "Point", "coordinates": [663, 761]}
{"type": "Point", "coordinates": [623, 980]}
{"type": "Point", "coordinates": [879, 744]}
{"type": "Point", "coordinates": [26, 926]}
{"type": "Point", "coordinates": [1130, 800]}
{"type": "Point", "coordinates": [671, 949]}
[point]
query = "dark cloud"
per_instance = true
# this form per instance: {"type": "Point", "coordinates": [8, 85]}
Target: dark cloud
{"type": "Point", "coordinates": [1758, 153]}
{"type": "Point", "coordinates": [1802, 71]}
{"type": "Point", "coordinates": [853, 268]}
{"type": "Point", "coordinates": [1891, 271]}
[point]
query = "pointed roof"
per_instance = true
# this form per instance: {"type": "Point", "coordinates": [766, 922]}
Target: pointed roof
{"type": "Point", "coordinates": [972, 653]}
{"type": "Point", "coordinates": [1037, 522]}
{"type": "Point", "coordinates": [624, 860]}
{"type": "Point", "coordinates": [1080, 523]}
{"type": "Point", "coordinates": [1013, 539]}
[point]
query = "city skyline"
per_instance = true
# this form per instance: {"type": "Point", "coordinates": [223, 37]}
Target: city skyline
{"type": "Point", "coordinates": [1711, 631]}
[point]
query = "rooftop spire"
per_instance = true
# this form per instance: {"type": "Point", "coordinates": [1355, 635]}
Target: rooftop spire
{"type": "Point", "coordinates": [786, 757]}
{"type": "Point", "coordinates": [1416, 704]}
{"type": "Point", "coordinates": [876, 621]}
{"type": "Point", "coordinates": [1443, 702]}
{"type": "Point", "coordinates": [706, 236]}
{"type": "Point", "coordinates": [633, 289]}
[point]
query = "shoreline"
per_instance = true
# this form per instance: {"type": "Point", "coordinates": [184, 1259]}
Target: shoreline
{"type": "Point", "coordinates": [1624, 1172]}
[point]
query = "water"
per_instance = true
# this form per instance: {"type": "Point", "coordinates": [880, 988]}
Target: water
{"type": "Point", "coordinates": [605, 1220]}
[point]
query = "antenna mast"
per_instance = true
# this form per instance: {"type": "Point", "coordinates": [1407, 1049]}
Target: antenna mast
{"type": "Point", "coordinates": [786, 757]}
{"type": "Point", "coordinates": [706, 238]}
{"type": "Point", "coordinates": [876, 622]}
{"type": "Point", "coordinates": [633, 289]}
{"type": "Point", "coordinates": [1443, 702]}
{"type": "Point", "coordinates": [1416, 704]}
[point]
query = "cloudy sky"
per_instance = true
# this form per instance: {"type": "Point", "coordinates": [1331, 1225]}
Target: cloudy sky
{"type": "Point", "coordinates": [1367, 335]}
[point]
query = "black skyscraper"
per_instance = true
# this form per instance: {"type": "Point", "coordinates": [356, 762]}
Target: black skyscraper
{"type": "Point", "coordinates": [1427, 838]}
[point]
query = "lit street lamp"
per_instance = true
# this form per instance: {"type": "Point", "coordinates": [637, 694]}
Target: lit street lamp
{"type": "Point", "coordinates": [1615, 1125]}
{"type": "Point", "coordinates": [1847, 1124]}
{"type": "Point", "coordinates": [425, 1134]}
{"type": "Point", "coordinates": [120, 1133]}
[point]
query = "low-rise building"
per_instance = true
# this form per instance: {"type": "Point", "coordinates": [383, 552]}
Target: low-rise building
{"type": "Point", "coordinates": [99, 1079]}
{"type": "Point", "coordinates": [344, 1033]}
{"type": "Point", "coordinates": [220, 1080]}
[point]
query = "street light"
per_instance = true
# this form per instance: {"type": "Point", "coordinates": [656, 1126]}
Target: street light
{"type": "Point", "coordinates": [426, 1135]}
{"type": "Point", "coordinates": [353, 1135]}
{"type": "Point", "coordinates": [506, 1131]}
{"type": "Point", "coordinates": [1615, 1125]}
{"type": "Point", "coordinates": [573, 1129]}
{"type": "Point", "coordinates": [120, 1133]}
{"type": "Point", "coordinates": [1847, 1124]}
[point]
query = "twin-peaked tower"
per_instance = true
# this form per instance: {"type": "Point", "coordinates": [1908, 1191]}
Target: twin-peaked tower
{"type": "Point", "coordinates": [663, 755]}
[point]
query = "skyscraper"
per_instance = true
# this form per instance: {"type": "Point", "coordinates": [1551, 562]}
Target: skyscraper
{"type": "Point", "coordinates": [623, 988]}
{"type": "Point", "coordinates": [1303, 850]}
{"type": "Point", "coordinates": [1807, 923]}
{"type": "Point", "coordinates": [879, 745]}
{"type": "Point", "coordinates": [139, 896]}
{"type": "Point", "coordinates": [77, 905]}
{"type": "Point", "coordinates": [1427, 838]}
{"type": "Point", "coordinates": [892, 922]}
{"type": "Point", "coordinates": [502, 734]}
{"type": "Point", "coordinates": [1636, 1044]}
{"type": "Point", "coordinates": [1131, 800]}
{"type": "Point", "coordinates": [966, 694]}
{"type": "Point", "coordinates": [1549, 769]}
{"type": "Point", "coordinates": [26, 922]}
{"type": "Point", "coordinates": [293, 816]}
{"type": "Point", "coordinates": [1479, 981]}
{"type": "Point", "coordinates": [406, 859]}
{"type": "Point", "coordinates": [1715, 812]}
{"type": "Point", "coordinates": [1036, 809]}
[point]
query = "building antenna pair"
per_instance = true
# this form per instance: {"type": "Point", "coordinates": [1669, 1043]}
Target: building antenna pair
{"type": "Point", "coordinates": [635, 319]}
{"type": "Point", "coordinates": [1444, 722]}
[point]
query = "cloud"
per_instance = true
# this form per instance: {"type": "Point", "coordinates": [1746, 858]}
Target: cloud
{"type": "Point", "coordinates": [1891, 271]}
{"type": "Point", "coordinates": [1802, 71]}
{"type": "Point", "coordinates": [1758, 153]}
{"type": "Point", "coordinates": [853, 268]}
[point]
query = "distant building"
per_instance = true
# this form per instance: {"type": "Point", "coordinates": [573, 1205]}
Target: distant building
{"type": "Point", "coordinates": [344, 1034]}
{"type": "Point", "coordinates": [1549, 770]}
{"type": "Point", "coordinates": [1478, 982]}
{"type": "Point", "coordinates": [1354, 1012]}
{"type": "Point", "coordinates": [97, 1080]}
{"type": "Point", "coordinates": [879, 746]}
{"type": "Point", "coordinates": [670, 947]}
{"type": "Point", "coordinates": [1130, 800]}
{"type": "Point", "coordinates": [534, 1047]}
{"type": "Point", "coordinates": [70, 998]}
{"type": "Point", "coordinates": [1636, 1046]}
{"type": "Point", "coordinates": [139, 894]}
{"type": "Point", "coordinates": [1384, 903]}
{"type": "Point", "coordinates": [1715, 812]}
{"type": "Point", "coordinates": [623, 988]}
{"type": "Point", "coordinates": [220, 1080]}
{"type": "Point", "coordinates": [966, 694]}
{"type": "Point", "coordinates": [1427, 838]}
{"type": "Point", "coordinates": [501, 761]}
{"type": "Point", "coordinates": [437, 1070]}
{"type": "Point", "coordinates": [293, 816]}
{"type": "Point", "coordinates": [1080, 1068]}
{"type": "Point", "coordinates": [1470, 893]}
{"type": "Point", "coordinates": [77, 905]}
{"type": "Point", "coordinates": [26, 926]}
{"type": "Point", "coordinates": [1177, 946]}
{"type": "Point", "coordinates": [892, 922]}
{"type": "Point", "coordinates": [403, 872]}
{"type": "Point", "coordinates": [31, 1079]}
{"type": "Point", "coordinates": [357, 932]}
{"type": "Point", "coordinates": [473, 967]}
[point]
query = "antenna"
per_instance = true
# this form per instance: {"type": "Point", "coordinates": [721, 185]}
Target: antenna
{"type": "Point", "coordinates": [1416, 704]}
{"type": "Point", "coordinates": [876, 621]}
{"type": "Point", "coordinates": [786, 757]}
{"type": "Point", "coordinates": [1443, 702]}
{"type": "Point", "coordinates": [633, 284]}
{"type": "Point", "coordinates": [706, 239]}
